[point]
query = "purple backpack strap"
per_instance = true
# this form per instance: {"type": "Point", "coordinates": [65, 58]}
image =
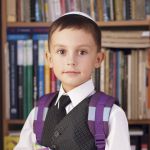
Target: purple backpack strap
{"type": "Point", "coordinates": [40, 114]}
{"type": "Point", "coordinates": [98, 117]}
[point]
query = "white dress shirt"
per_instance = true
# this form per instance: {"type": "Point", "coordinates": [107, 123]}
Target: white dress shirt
{"type": "Point", "coordinates": [118, 138]}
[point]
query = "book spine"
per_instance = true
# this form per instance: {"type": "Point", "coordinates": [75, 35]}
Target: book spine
{"type": "Point", "coordinates": [46, 71]}
{"type": "Point", "coordinates": [53, 81]}
{"type": "Point", "coordinates": [124, 92]}
{"type": "Point", "coordinates": [129, 87]}
{"type": "Point", "coordinates": [13, 79]}
{"type": "Point", "coordinates": [11, 11]}
{"type": "Point", "coordinates": [46, 10]}
{"type": "Point", "coordinates": [29, 75]}
{"type": "Point", "coordinates": [62, 6]}
{"type": "Point", "coordinates": [32, 6]}
{"type": "Point", "coordinates": [10, 142]}
{"type": "Point", "coordinates": [41, 68]}
{"type": "Point", "coordinates": [58, 83]}
{"type": "Point", "coordinates": [20, 53]}
{"type": "Point", "coordinates": [35, 71]}
{"type": "Point", "coordinates": [27, 10]}
{"type": "Point", "coordinates": [7, 81]}
{"type": "Point", "coordinates": [147, 9]}
{"type": "Point", "coordinates": [105, 12]}
{"type": "Point", "coordinates": [118, 77]}
{"type": "Point", "coordinates": [102, 75]}
{"type": "Point", "coordinates": [25, 105]}
{"type": "Point", "coordinates": [37, 11]}
{"type": "Point", "coordinates": [42, 6]}
{"type": "Point", "coordinates": [118, 9]}
{"type": "Point", "coordinates": [128, 10]}
{"type": "Point", "coordinates": [148, 82]}
{"type": "Point", "coordinates": [114, 73]}
{"type": "Point", "coordinates": [97, 79]}
{"type": "Point", "coordinates": [18, 10]}
{"type": "Point", "coordinates": [111, 66]}
{"type": "Point", "coordinates": [11, 31]}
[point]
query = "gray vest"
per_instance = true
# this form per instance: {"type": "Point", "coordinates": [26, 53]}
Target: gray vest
{"type": "Point", "coordinates": [72, 132]}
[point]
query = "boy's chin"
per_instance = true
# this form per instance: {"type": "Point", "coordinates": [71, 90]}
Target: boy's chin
{"type": "Point", "coordinates": [69, 86]}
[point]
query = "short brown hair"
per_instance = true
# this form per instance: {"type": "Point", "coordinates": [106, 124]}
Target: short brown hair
{"type": "Point", "coordinates": [78, 22]}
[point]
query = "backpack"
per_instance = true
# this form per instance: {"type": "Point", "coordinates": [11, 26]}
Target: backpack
{"type": "Point", "coordinates": [98, 116]}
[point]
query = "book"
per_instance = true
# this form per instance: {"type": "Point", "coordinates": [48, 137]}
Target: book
{"type": "Point", "coordinates": [26, 8]}
{"type": "Point", "coordinates": [7, 80]}
{"type": "Point", "coordinates": [100, 10]}
{"type": "Point", "coordinates": [27, 31]}
{"type": "Point", "coordinates": [53, 80]}
{"type": "Point", "coordinates": [29, 73]}
{"type": "Point", "coordinates": [13, 79]}
{"type": "Point", "coordinates": [10, 142]}
{"type": "Point", "coordinates": [148, 82]}
{"type": "Point", "coordinates": [140, 10]}
{"type": "Point", "coordinates": [11, 11]}
{"type": "Point", "coordinates": [147, 9]}
{"type": "Point", "coordinates": [118, 8]}
{"type": "Point", "coordinates": [20, 53]}
{"type": "Point", "coordinates": [41, 63]}
{"type": "Point", "coordinates": [127, 10]}
{"type": "Point", "coordinates": [136, 132]}
{"type": "Point", "coordinates": [35, 71]}
{"type": "Point", "coordinates": [25, 105]}
{"type": "Point", "coordinates": [32, 12]}
{"type": "Point", "coordinates": [46, 71]}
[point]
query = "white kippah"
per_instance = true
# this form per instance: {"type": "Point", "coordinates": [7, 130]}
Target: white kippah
{"type": "Point", "coordinates": [79, 13]}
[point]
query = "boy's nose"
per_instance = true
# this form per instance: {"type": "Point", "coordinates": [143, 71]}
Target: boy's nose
{"type": "Point", "coordinates": [71, 60]}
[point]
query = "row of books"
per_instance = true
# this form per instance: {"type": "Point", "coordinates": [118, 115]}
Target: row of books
{"type": "Point", "coordinates": [139, 142]}
{"type": "Point", "coordinates": [126, 39]}
{"type": "Point", "coordinates": [29, 75]}
{"type": "Point", "coordinates": [139, 137]}
{"type": "Point", "coordinates": [125, 74]}
{"type": "Point", "coordinates": [100, 10]}
{"type": "Point", "coordinates": [10, 142]}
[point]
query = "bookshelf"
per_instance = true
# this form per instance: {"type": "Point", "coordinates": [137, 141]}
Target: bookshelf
{"type": "Point", "coordinates": [1, 113]}
{"type": "Point", "coordinates": [131, 23]}
{"type": "Point", "coordinates": [106, 25]}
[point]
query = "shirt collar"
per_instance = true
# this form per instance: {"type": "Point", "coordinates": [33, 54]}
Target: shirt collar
{"type": "Point", "coordinates": [79, 93]}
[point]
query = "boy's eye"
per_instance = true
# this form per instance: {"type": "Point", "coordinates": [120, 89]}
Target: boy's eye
{"type": "Point", "coordinates": [61, 51]}
{"type": "Point", "coordinates": [82, 52]}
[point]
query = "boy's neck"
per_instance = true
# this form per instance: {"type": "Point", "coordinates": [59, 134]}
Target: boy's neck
{"type": "Point", "coordinates": [71, 89]}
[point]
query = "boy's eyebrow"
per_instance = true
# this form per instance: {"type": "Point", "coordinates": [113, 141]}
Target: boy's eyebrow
{"type": "Point", "coordinates": [80, 45]}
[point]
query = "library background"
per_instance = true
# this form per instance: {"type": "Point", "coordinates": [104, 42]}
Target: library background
{"type": "Point", "coordinates": [125, 72]}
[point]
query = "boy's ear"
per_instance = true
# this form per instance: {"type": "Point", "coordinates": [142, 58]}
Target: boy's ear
{"type": "Point", "coordinates": [48, 59]}
{"type": "Point", "coordinates": [100, 57]}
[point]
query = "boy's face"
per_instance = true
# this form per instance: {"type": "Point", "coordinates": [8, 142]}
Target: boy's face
{"type": "Point", "coordinates": [73, 56]}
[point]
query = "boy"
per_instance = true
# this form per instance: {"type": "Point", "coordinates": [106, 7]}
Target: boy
{"type": "Point", "coordinates": [74, 53]}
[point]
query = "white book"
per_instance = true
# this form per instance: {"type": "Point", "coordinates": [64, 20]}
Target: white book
{"type": "Point", "coordinates": [102, 74]}
{"type": "Point", "coordinates": [29, 44]}
{"type": "Point", "coordinates": [142, 82]}
{"type": "Point", "coordinates": [129, 88]}
{"type": "Point", "coordinates": [136, 132]}
{"type": "Point", "coordinates": [7, 86]}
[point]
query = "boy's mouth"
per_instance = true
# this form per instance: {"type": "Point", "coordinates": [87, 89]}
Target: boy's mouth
{"type": "Point", "coordinates": [71, 72]}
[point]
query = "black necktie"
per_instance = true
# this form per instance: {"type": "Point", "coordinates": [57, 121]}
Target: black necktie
{"type": "Point", "coordinates": [63, 102]}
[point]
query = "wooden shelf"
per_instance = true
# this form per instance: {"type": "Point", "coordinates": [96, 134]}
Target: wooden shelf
{"type": "Point", "coordinates": [15, 122]}
{"type": "Point", "coordinates": [130, 23]}
{"type": "Point", "coordinates": [28, 24]}
{"type": "Point", "coordinates": [139, 122]}
{"type": "Point", "coordinates": [131, 122]}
